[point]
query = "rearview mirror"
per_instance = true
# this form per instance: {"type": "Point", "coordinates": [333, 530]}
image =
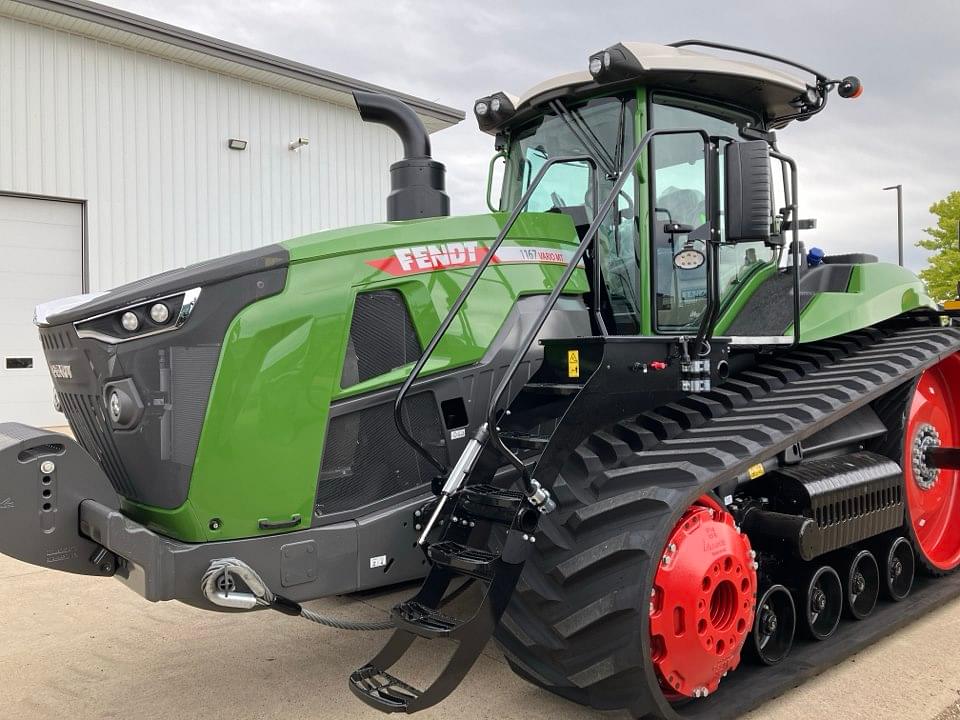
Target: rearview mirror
{"type": "Point", "coordinates": [749, 205]}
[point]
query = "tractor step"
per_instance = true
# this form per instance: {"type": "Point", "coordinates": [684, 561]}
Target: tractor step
{"type": "Point", "coordinates": [426, 622]}
{"type": "Point", "coordinates": [382, 690]}
{"type": "Point", "coordinates": [466, 560]}
{"type": "Point", "coordinates": [419, 618]}
{"type": "Point", "coordinates": [491, 503]}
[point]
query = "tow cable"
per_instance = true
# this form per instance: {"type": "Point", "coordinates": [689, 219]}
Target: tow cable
{"type": "Point", "coordinates": [220, 588]}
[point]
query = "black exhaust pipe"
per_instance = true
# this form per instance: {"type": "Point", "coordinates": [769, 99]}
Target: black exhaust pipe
{"type": "Point", "coordinates": [417, 182]}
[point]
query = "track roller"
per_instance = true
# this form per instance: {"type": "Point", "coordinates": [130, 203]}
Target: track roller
{"type": "Point", "coordinates": [773, 626]}
{"type": "Point", "coordinates": [897, 566]}
{"type": "Point", "coordinates": [861, 576]}
{"type": "Point", "coordinates": [703, 601]}
{"type": "Point", "coordinates": [821, 601]}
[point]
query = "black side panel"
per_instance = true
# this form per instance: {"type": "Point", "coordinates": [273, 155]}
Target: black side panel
{"type": "Point", "coordinates": [770, 310]}
{"type": "Point", "coordinates": [201, 274]}
{"type": "Point", "coordinates": [381, 337]}
{"type": "Point", "coordinates": [366, 460]}
{"type": "Point", "coordinates": [366, 467]}
{"type": "Point", "coordinates": [172, 373]}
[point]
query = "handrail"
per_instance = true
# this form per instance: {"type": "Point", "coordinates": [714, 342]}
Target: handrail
{"type": "Point", "coordinates": [794, 210]}
{"type": "Point", "coordinates": [599, 217]}
{"type": "Point", "coordinates": [465, 292]}
{"type": "Point", "coordinates": [493, 161]}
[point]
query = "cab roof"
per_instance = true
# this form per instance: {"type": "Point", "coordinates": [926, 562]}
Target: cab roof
{"type": "Point", "coordinates": [766, 91]}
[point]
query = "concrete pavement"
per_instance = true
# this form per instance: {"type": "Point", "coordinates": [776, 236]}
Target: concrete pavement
{"type": "Point", "coordinates": [89, 648]}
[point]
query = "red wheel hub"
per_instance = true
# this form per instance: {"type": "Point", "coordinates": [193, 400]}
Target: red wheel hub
{"type": "Point", "coordinates": [933, 495]}
{"type": "Point", "coordinates": [703, 600]}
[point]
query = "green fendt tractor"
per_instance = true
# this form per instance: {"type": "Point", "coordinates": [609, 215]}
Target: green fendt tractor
{"type": "Point", "coordinates": [655, 432]}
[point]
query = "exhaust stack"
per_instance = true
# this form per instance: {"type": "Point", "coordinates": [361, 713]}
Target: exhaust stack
{"type": "Point", "coordinates": [417, 182]}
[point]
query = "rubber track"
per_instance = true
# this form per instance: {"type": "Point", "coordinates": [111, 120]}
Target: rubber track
{"type": "Point", "coordinates": [578, 622]}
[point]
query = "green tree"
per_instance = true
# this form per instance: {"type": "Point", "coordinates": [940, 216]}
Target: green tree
{"type": "Point", "coordinates": [944, 272]}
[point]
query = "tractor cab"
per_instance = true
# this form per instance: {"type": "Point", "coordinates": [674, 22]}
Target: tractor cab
{"type": "Point", "coordinates": [653, 244]}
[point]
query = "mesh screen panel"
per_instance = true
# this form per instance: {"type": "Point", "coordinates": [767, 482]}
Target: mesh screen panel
{"type": "Point", "coordinates": [381, 337]}
{"type": "Point", "coordinates": [190, 371]}
{"type": "Point", "coordinates": [366, 460]}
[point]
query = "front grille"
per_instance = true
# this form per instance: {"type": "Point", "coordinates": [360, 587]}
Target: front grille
{"type": "Point", "coordinates": [168, 376]}
{"type": "Point", "coordinates": [366, 460]}
{"type": "Point", "coordinates": [90, 428]}
{"type": "Point", "coordinates": [152, 463]}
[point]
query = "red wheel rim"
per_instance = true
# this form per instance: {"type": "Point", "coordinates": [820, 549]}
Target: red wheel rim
{"type": "Point", "coordinates": [703, 601]}
{"type": "Point", "coordinates": [933, 496]}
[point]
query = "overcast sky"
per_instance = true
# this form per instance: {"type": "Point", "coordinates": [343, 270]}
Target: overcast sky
{"type": "Point", "coordinates": [903, 129]}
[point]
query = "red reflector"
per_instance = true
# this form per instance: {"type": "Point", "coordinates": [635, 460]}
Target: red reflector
{"type": "Point", "coordinates": [658, 365]}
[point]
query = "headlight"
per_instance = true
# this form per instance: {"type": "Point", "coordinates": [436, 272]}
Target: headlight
{"type": "Point", "coordinates": [159, 313]}
{"type": "Point", "coordinates": [167, 313]}
{"type": "Point", "coordinates": [614, 64]}
{"type": "Point", "coordinates": [494, 110]}
{"type": "Point", "coordinates": [130, 321]}
{"type": "Point", "coordinates": [123, 404]}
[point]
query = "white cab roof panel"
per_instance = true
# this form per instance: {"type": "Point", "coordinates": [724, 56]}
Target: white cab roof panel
{"type": "Point", "coordinates": [746, 84]}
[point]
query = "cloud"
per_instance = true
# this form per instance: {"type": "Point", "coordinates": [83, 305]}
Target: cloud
{"type": "Point", "coordinates": [902, 130]}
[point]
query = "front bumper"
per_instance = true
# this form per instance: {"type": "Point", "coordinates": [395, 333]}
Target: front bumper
{"type": "Point", "coordinates": [302, 565]}
{"type": "Point", "coordinates": [58, 510]}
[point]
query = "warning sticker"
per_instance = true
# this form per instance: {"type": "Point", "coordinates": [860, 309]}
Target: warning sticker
{"type": "Point", "coordinates": [756, 471]}
{"type": "Point", "coordinates": [573, 363]}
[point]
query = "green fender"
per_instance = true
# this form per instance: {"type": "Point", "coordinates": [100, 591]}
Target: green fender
{"type": "Point", "coordinates": [876, 292]}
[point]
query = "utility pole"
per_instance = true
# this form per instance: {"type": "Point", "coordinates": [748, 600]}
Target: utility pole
{"type": "Point", "coordinates": [899, 189]}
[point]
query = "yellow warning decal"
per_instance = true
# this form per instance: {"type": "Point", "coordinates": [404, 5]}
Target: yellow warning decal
{"type": "Point", "coordinates": [755, 471]}
{"type": "Point", "coordinates": [573, 363]}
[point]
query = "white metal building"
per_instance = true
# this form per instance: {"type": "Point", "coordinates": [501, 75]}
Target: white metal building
{"type": "Point", "coordinates": [115, 161]}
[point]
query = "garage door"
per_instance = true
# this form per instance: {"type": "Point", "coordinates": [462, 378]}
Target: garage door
{"type": "Point", "coordinates": [41, 246]}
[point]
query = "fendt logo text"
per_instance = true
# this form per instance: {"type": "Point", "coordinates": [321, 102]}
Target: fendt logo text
{"type": "Point", "coordinates": [62, 372]}
{"type": "Point", "coordinates": [443, 256]}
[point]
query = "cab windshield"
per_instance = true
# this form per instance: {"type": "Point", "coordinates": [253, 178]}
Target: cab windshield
{"type": "Point", "coordinates": [601, 128]}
